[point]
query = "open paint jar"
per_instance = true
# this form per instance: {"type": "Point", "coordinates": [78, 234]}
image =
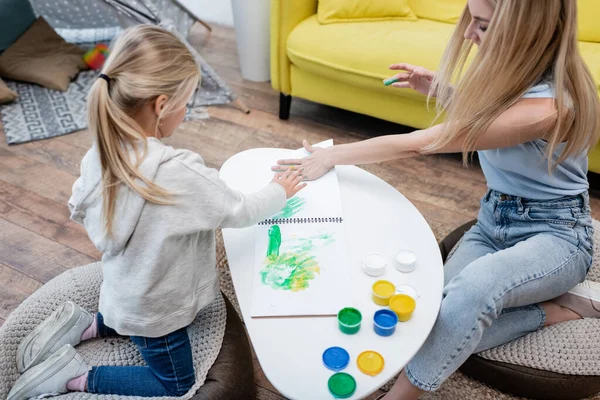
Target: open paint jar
{"type": "Point", "coordinates": [409, 290]}
{"type": "Point", "coordinates": [384, 322]}
{"type": "Point", "coordinates": [403, 305]}
{"type": "Point", "coordinates": [374, 264]}
{"type": "Point", "coordinates": [349, 320]}
{"type": "Point", "coordinates": [405, 261]}
{"type": "Point", "coordinates": [382, 292]}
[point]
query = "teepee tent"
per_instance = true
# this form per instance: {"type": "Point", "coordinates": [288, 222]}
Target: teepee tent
{"type": "Point", "coordinates": [86, 23]}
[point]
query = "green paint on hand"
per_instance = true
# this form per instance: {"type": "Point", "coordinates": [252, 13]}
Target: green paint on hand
{"type": "Point", "coordinates": [389, 81]}
{"type": "Point", "coordinates": [274, 242]}
{"type": "Point", "coordinates": [293, 207]}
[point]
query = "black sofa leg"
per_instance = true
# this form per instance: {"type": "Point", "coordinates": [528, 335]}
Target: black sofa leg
{"type": "Point", "coordinates": [285, 103]}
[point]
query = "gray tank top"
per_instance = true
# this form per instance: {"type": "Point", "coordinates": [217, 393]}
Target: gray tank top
{"type": "Point", "coordinates": [522, 170]}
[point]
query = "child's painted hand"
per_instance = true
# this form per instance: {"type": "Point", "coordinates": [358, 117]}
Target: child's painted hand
{"type": "Point", "coordinates": [290, 180]}
{"type": "Point", "coordinates": [312, 167]}
{"type": "Point", "coordinates": [416, 78]}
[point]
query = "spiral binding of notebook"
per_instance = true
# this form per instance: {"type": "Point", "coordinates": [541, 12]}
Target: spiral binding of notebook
{"type": "Point", "coordinates": [337, 220]}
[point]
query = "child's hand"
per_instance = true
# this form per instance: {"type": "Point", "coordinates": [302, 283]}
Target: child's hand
{"type": "Point", "coordinates": [291, 181]}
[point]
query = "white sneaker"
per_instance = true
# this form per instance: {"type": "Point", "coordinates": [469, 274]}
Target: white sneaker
{"type": "Point", "coordinates": [584, 299]}
{"type": "Point", "coordinates": [50, 378]}
{"type": "Point", "coordinates": [63, 326]}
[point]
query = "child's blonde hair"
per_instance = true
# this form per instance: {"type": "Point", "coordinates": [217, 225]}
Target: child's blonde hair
{"type": "Point", "coordinates": [145, 62]}
{"type": "Point", "coordinates": [527, 41]}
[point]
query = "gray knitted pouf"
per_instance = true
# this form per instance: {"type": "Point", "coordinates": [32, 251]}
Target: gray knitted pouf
{"type": "Point", "coordinates": [560, 362]}
{"type": "Point", "coordinates": [82, 286]}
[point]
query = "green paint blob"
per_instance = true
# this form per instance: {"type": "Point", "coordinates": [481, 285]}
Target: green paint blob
{"type": "Point", "coordinates": [297, 266]}
{"type": "Point", "coordinates": [274, 242]}
{"type": "Point", "coordinates": [290, 271]}
{"type": "Point", "coordinates": [292, 207]}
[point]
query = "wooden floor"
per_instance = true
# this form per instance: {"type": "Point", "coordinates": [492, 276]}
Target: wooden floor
{"type": "Point", "coordinates": [38, 241]}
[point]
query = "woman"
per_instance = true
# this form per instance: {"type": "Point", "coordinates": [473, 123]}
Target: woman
{"type": "Point", "coordinates": [529, 106]}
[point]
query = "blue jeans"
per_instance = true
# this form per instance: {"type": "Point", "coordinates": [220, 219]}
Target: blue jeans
{"type": "Point", "coordinates": [170, 370]}
{"type": "Point", "coordinates": [520, 253]}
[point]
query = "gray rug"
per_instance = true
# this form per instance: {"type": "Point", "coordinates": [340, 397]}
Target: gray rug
{"type": "Point", "coordinates": [40, 113]}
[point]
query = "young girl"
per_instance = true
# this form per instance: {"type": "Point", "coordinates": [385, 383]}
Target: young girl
{"type": "Point", "coordinates": [152, 210]}
{"type": "Point", "coordinates": [529, 106]}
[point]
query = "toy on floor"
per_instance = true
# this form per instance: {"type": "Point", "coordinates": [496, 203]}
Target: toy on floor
{"type": "Point", "coordinates": [96, 57]}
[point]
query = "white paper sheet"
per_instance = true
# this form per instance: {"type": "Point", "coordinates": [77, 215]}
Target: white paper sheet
{"type": "Point", "coordinates": [310, 275]}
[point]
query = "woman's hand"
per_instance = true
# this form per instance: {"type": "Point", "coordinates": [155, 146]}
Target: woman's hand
{"type": "Point", "coordinates": [311, 167]}
{"type": "Point", "coordinates": [290, 181]}
{"type": "Point", "coordinates": [416, 78]}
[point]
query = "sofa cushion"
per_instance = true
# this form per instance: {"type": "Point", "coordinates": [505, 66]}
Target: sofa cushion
{"type": "Point", "coordinates": [6, 94]}
{"type": "Point", "coordinates": [589, 15]}
{"type": "Point", "coordinates": [359, 53]}
{"type": "Point", "coordinates": [439, 10]}
{"type": "Point", "coordinates": [41, 56]}
{"type": "Point", "coordinates": [450, 11]}
{"type": "Point", "coordinates": [331, 11]}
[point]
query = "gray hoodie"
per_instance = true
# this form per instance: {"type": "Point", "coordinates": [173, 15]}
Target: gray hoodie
{"type": "Point", "coordinates": [159, 265]}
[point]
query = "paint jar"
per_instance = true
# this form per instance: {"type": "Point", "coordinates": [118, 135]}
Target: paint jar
{"type": "Point", "coordinates": [403, 305]}
{"type": "Point", "coordinates": [409, 290]}
{"type": "Point", "coordinates": [370, 362]}
{"type": "Point", "coordinates": [341, 385]}
{"type": "Point", "coordinates": [382, 292]}
{"type": "Point", "coordinates": [384, 322]}
{"type": "Point", "coordinates": [374, 264]}
{"type": "Point", "coordinates": [349, 320]}
{"type": "Point", "coordinates": [405, 261]}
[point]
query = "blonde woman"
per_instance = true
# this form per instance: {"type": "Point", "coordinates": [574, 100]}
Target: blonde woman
{"type": "Point", "coordinates": [152, 210]}
{"type": "Point", "coordinates": [529, 106]}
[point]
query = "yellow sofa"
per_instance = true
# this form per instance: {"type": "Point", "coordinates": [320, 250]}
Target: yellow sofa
{"type": "Point", "coordinates": [343, 64]}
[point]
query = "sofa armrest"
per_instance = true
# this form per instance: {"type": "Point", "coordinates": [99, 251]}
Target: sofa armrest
{"type": "Point", "coordinates": [285, 16]}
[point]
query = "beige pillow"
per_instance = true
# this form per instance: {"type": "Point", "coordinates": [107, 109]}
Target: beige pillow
{"type": "Point", "coordinates": [41, 56]}
{"type": "Point", "coordinates": [6, 95]}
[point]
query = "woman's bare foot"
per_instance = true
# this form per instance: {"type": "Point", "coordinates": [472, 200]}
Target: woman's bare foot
{"type": "Point", "coordinates": [403, 390]}
{"type": "Point", "coordinates": [556, 314]}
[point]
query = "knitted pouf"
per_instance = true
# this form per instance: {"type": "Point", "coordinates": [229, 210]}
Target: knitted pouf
{"type": "Point", "coordinates": [559, 362]}
{"type": "Point", "coordinates": [82, 286]}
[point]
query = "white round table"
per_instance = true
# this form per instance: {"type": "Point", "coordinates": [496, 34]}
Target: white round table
{"type": "Point", "coordinates": [378, 219]}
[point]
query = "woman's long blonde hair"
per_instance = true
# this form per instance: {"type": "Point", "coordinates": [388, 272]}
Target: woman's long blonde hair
{"type": "Point", "coordinates": [145, 62]}
{"type": "Point", "coordinates": [527, 41]}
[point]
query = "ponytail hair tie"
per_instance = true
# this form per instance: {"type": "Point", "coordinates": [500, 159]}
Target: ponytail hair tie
{"type": "Point", "coordinates": [105, 77]}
